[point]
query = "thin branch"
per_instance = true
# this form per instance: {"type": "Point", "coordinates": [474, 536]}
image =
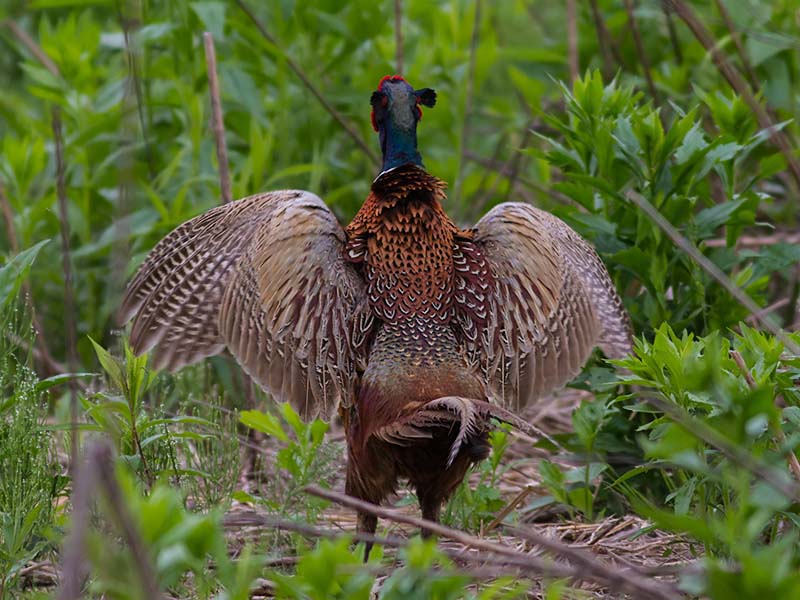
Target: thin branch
{"type": "Point", "coordinates": [709, 267]}
{"type": "Point", "coordinates": [103, 459]}
{"type": "Point", "coordinates": [572, 41]}
{"type": "Point", "coordinates": [735, 80]}
{"type": "Point", "coordinates": [69, 296]}
{"type": "Point", "coordinates": [512, 504]}
{"type": "Point", "coordinates": [307, 82]}
{"type": "Point", "coordinates": [520, 562]}
{"type": "Point", "coordinates": [505, 171]}
{"type": "Point", "coordinates": [398, 35]}
{"type": "Point", "coordinates": [737, 41]}
{"type": "Point", "coordinates": [470, 92]}
{"type": "Point", "coordinates": [73, 563]}
{"type": "Point", "coordinates": [623, 580]}
{"type": "Point", "coordinates": [637, 39]}
{"type": "Point", "coordinates": [33, 47]}
{"type": "Point", "coordinates": [216, 118]}
{"type": "Point", "coordinates": [767, 310]}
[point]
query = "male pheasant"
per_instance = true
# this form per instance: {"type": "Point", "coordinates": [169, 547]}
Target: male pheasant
{"type": "Point", "coordinates": [418, 332]}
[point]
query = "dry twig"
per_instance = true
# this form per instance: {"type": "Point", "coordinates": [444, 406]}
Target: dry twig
{"type": "Point", "coordinates": [709, 267]}
{"type": "Point", "coordinates": [572, 41]}
{"type": "Point", "coordinates": [98, 471]}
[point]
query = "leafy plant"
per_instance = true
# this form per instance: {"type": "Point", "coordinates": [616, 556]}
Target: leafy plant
{"type": "Point", "coordinates": [180, 544]}
{"type": "Point", "coordinates": [303, 458]}
{"type": "Point", "coordinates": [612, 144]}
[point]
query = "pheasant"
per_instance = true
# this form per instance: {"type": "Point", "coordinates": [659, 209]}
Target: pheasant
{"type": "Point", "coordinates": [416, 331]}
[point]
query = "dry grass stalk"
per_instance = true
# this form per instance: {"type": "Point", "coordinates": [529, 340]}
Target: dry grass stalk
{"type": "Point", "coordinates": [216, 118]}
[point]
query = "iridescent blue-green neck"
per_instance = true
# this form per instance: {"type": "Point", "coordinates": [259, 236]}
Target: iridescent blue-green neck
{"type": "Point", "coordinates": [399, 144]}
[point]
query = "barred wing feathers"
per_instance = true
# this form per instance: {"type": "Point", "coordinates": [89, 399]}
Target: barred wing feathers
{"type": "Point", "coordinates": [266, 277]}
{"type": "Point", "coordinates": [545, 302]}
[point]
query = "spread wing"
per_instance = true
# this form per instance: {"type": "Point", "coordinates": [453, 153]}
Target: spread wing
{"type": "Point", "coordinates": [533, 299]}
{"type": "Point", "coordinates": [266, 277]}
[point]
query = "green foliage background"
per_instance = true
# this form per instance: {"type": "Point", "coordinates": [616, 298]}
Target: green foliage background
{"type": "Point", "coordinates": [129, 84]}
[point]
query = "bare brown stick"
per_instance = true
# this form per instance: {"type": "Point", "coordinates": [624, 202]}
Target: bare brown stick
{"type": "Point", "coordinates": [737, 41]}
{"type": "Point", "coordinates": [709, 267]}
{"type": "Point", "coordinates": [69, 297]}
{"type": "Point", "coordinates": [398, 35]}
{"type": "Point", "coordinates": [637, 39]}
{"type": "Point", "coordinates": [33, 47]}
{"type": "Point", "coordinates": [465, 128]}
{"type": "Point", "coordinates": [253, 519]}
{"type": "Point", "coordinates": [512, 504]}
{"type": "Point", "coordinates": [572, 41]}
{"type": "Point", "coordinates": [216, 118]}
{"type": "Point", "coordinates": [505, 171]}
{"type": "Point", "coordinates": [307, 82]}
{"type": "Point", "coordinates": [735, 80]}
{"type": "Point", "coordinates": [768, 310]}
{"type": "Point", "coordinates": [794, 464]}
{"type": "Point", "coordinates": [624, 580]}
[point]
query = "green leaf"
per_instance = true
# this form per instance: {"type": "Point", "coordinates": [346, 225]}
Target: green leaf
{"type": "Point", "coordinates": [212, 16]}
{"type": "Point", "coordinates": [263, 422]}
{"type": "Point", "coordinates": [14, 272]}
{"type": "Point", "coordinates": [110, 364]}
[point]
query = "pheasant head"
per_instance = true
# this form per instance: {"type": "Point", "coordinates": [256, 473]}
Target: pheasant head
{"type": "Point", "coordinates": [395, 114]}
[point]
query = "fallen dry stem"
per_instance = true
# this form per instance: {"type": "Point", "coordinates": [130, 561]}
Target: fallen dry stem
{"type": "Point", "coordinates": [623, 580]}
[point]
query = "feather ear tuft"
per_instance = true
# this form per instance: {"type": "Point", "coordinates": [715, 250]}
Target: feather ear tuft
{"type": "Point", "coordinates": [426, 97]}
